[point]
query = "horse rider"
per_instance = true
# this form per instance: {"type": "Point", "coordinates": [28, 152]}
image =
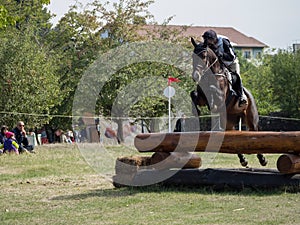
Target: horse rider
{"type": "Point", "coordinates": [225, 53]}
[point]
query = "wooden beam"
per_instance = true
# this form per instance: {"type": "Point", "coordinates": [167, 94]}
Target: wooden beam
{"type": "Point", "coordinates": [245, 142]}
{"type": "Point", "coordinates": [175, 160]}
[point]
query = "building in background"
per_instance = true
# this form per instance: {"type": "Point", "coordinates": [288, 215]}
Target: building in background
{"type": "Point", "coordinates": [250, 47]}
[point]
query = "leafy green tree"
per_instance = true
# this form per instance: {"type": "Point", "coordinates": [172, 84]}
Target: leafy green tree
{"type": "Point", "coordinates": [257, 78]}
{"type": "Point", "coordinates": [5, 18]}
{"type": "Point", "coordinates": [20, 12]}
{"type": "Point", "coordinates": [81, 35]}
{"type": "Point", "coordinates": [274, 82]}
{"type": "Point", "coordinates": [75, 44]}
{"type": "Point", "coordinates": [29, 86]}
{"type": "Point", "coordinates": [285, 67]}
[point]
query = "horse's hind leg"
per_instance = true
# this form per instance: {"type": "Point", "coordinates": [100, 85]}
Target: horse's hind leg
{"type": "Point", "coordinates": [262, 159]}
{"type": "Point", "coordinates": [243, 160]}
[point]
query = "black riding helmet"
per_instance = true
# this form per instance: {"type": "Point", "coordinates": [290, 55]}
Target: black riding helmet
{"type": "Point", "coordinates": [210, 34]}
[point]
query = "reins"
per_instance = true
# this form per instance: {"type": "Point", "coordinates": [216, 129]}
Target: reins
{"type": "Point", "coordinates": [208, 67]}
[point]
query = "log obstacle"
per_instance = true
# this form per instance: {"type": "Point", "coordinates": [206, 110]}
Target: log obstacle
{"type": "Point", "coordinates": [289, 164]}
{"type": "Point", "coordinates": [234, 142]}
{"type": "Point", "coordinates": [174, 150]}
{"type": "Point", "coordinates": [159, 160]}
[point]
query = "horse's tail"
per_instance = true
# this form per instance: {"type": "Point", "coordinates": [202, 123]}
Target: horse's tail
{"type": "Point", "coordinates": [252, 117]}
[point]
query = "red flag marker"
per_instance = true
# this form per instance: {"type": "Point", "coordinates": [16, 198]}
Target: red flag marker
{"type": "Point", "coordinates": [172, 79]}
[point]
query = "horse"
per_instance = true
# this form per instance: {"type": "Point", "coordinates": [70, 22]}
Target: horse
{"type": "Point", "coordinates": [214, 90]}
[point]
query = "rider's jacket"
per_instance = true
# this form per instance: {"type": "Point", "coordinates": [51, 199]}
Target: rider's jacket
{"type": "Point", "coordinates": [225, 51]}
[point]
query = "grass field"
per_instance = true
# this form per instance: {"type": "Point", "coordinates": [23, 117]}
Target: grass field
{"type": "Point", "coordinates": [57, 186]}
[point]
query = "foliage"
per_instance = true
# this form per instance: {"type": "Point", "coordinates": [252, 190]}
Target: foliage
{"type": "Point", "coordinates": [34, 52]}
{"type": "Point", "coordinates": [286, 81]}
{"type": "Point", "coordinates": [256, 78]}
{"type": "Point", "coordinates": [274, 82]}
{"type": "Point", "coordinates": [84, 34]}
{"type": "Point", "coordinates": [29, 86]}
{"type": "Point", "coordinates": [20, 12]}
{"type": "Point", "coordinates": [28, 81]}
{"type": "Point", "coordinates": [75, 44]}
{"type": "Point", "coordinates": [5, 19]}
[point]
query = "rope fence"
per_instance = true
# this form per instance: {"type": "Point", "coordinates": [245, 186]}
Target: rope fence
{"type": "Point", "coordinates": [126, 118]}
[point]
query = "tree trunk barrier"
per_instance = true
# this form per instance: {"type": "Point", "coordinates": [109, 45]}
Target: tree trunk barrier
{"type": "Point", "coordinates": [244, 142]}
{"type": "Point", "coordinates": [288, 164]}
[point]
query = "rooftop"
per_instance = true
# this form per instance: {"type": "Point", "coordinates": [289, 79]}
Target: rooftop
{"type": "Point", "coordinates": [237, 38]}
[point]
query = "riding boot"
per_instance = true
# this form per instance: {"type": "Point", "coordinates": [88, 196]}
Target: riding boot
{"type": "Point", "coordinates": [239, 90]}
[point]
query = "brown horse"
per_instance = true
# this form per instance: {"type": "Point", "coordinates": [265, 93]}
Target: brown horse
{"type": "Point", "coordinates": [215, 86]}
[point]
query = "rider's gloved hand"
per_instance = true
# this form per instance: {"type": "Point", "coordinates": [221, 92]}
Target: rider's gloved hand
{"type": "Point", "coordinates": [219, 54]}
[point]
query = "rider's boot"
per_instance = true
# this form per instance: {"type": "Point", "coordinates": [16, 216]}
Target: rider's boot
{"type": "Point", "coordinates": [239, 91]}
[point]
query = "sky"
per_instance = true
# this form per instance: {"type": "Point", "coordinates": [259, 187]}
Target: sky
{"type": "Point", "coordinates": [273, 22]}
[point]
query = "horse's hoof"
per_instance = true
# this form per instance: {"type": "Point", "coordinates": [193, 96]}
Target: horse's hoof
{"type": "Point", "coordinates": [263, 162]}
{"type": "Point", "coordinates": [244, 163]}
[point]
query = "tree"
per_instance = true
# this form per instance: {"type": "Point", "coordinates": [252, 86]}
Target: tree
{"type": "Point", "coordinates": [257, 78]}
{"type": "Point", "coordinates": [286, 81]}
{"type": "Point", "coordinates": [274, 82]}
{"type": "Point", "coordinates": [81, 35]}
{"type": "Point", "coordinates": [19, 12]}
{"type": "Point", "coordinates": [29, 87]}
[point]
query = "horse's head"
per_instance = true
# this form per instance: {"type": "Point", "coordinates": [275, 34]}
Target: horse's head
{"type": "Point", "coordinates": [205, 61]}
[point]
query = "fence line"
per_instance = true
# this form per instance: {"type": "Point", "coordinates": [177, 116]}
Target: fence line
{"type": "Point", "coordinates": [126, 118]}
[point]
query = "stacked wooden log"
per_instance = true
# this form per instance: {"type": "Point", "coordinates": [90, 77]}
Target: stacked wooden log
{"type": "Point", "coordinates": [173, 150]}
{"type": "Point", "coordinates": [233, 142]}
{"type": "Point", "coordinates": [289, 164]}
{"type": "Point", "coordinates": [245, 142]}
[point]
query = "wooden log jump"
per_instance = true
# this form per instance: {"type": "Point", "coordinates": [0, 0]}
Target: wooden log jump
{"type": "Point", "coordinates": [288, 164]}
{"type": "Point", "coordinates": [245, 142]}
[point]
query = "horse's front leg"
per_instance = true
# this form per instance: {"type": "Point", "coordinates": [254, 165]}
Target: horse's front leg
{"type": "Point", "coordinates": [195, 101]}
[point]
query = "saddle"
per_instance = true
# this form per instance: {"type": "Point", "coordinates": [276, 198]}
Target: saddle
{"type": "Point", "coordinates": [233, 80]}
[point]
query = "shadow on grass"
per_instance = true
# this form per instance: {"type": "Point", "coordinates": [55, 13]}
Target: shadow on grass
{"type": "Point", "coordinates": [206, 190]}
{"type": "Point", "coordinates": [205, 182]}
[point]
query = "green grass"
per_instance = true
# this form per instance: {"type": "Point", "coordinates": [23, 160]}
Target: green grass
{"type": "Point", "coordinates": [57, 186]}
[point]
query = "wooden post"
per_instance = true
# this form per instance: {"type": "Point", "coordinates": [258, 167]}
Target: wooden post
{"type": "Point", "coordinates": [288, 164]}
{"type": "Point", "coordinates": [175, 160]}
{"type": "Point", "coordinates": [245, 142]}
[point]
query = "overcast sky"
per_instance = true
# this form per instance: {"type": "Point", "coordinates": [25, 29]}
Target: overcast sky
{"type": "Point", "coordinates": [273, 22]}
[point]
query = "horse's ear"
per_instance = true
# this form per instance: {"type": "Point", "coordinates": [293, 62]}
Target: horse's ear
{"type": "Point", "coordinates": [193, 42]}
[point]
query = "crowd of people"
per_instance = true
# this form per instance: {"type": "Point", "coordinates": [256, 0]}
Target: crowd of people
{"type": "Point", "coordinates": [16, 140]}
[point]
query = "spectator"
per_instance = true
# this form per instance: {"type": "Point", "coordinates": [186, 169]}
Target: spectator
{"type": "Point", "coordinates": [70, 136]}
{"type": "Point", "coordinates": [4, 129]}
{"type": "Point", "coordinates": [44, 138]}
{"type": "Point", "coordinates": [10, 145]}
{"type": "Point", "coordinates": [22, 139]}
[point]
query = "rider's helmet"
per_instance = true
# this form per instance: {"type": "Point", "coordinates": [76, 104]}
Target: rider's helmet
{"type": "Point", "coordinates": [210, 34]}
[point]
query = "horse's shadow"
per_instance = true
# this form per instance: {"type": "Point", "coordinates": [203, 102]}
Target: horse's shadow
{"type": "Point", "coordinates": [157, 188]}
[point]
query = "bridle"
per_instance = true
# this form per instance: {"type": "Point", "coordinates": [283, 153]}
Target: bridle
{"type": "Point", "coordinates": [208, 67]}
